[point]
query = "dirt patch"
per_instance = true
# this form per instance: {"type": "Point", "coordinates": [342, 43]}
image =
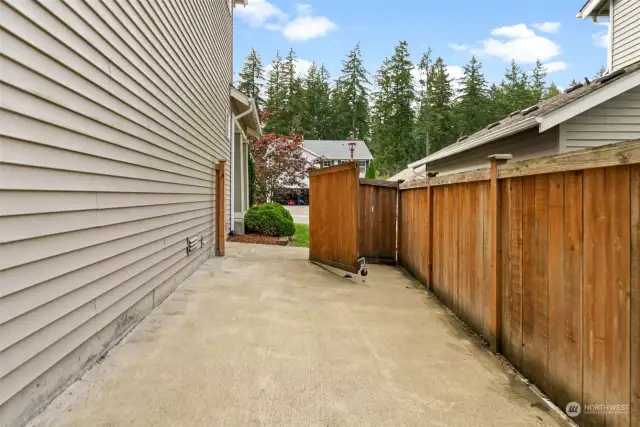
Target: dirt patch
{"type": "Point", "coordinates": [253, 238]}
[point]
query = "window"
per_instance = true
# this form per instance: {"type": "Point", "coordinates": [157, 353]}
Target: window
{"type": "Point", "coordinates": [342, 162]}
{"type": "Point", "coordinates": [327, 163]}
{"type": "Point", "coordinates": [362, 164]}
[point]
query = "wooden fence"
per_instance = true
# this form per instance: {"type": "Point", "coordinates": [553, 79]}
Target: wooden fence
{"type": "Point", "coordinates": [333, 216]}
{"type": "Point", "coordinates": [542, 259]}
{"type": "Point", "coordinates": [377, 223]}
{"type": "Point", "coordinates": [351, 218]}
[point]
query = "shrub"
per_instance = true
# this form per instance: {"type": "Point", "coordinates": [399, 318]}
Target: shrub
{"type": "Point", "coordinates": [269, 219]}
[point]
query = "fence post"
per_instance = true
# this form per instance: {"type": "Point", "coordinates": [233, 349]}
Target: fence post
{"type": "Point", "coordinates": [220, 208]}
{"type": "Point", "coordinates": [429, 243]}
{"type": "Point", "coordinates": [398, 222]}
{"type": "Point", "coordinates": [495, 292]}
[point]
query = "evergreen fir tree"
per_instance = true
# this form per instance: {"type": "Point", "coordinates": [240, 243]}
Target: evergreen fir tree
{"type": "Point", "coordinates": [371, 171]}
{"type": "Point", "coordinates": [294, 94]}
{"type": "Point", "coordinates": [537, 83]}
{"type": "Point", "coordinates": [516, 90]}
{"type": "Point", "coordinates": [601, 72]}
{"type": "Point", "coordinates": [421, 128]}
{"type": "Point", "coordinates": [471, 108]}
{"type": "Point", "coordinates": [394, 115]}
{"type": "Point", "coordinates": [252, 78]}
{"type": "Point", "coordinates": [350, 100]}
{"type": "Point", "coordinates": [440, 94]}
{"type": "Point", "coordinates": [315, 117]}
{"type": "Point", "coordinates": [552, 91]}
{"type": "Point", "coordinates": [276, 102]}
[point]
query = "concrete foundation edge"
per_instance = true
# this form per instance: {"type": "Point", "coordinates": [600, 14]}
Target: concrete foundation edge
{"type": "Point", "coordinates": [36, 396]}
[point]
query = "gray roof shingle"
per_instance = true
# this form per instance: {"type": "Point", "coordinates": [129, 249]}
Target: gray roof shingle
{"type": "Point", "coordinates": [543, 108]}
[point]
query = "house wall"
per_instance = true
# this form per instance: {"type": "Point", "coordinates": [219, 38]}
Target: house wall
{"type": "Point", "coordinates": [524, 145]}
{"type": "Point", "coordinates": [626, 33]}
{"type": "Point", "coordinates": [113, 117]}
{"type": "Point", "coordinates": [612, 121]}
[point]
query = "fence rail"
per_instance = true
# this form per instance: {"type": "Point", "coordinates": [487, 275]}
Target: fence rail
{"type": "Point", "coordinates": [542, 259]}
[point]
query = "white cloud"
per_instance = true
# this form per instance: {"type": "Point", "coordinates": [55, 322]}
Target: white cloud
{"type": "Point", "coordinates": [520, 43]}
{"type": "Point", "coordinates": [459, 47]}
{"type": "Point", "coordinates": [552, 67]}
{"type": "Point", "coordinates": [518, 31]}
{"type": "Point", "coordinates": [302, 66]}
{"type": "Point", "coordinates": [262, 13]}
{"type": "Point", "coordinates": [601, 39]}
{"type": "Point", "coordinates": [455, 73]}
{"type": "Point", "coordinates": [548, 27]}
{"type": "Point", "coordinates": [304, 26]}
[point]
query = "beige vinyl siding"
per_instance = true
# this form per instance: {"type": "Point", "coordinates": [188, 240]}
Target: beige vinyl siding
{"type": "Point", "coordinates": [626, 33]}
{"type": "Point", "coordinates": [114, 115]}
{"type": "Point", "coordinates": [612, 121]}
{"type": "Point", "coordinates": [527, 144]}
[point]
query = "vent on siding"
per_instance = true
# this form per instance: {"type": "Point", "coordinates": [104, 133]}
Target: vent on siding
{"type": "Point", "coordinates": [195, 242]}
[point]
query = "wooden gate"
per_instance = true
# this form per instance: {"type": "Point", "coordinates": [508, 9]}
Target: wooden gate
{"type": "Point", "coordinates": [333, 216]}
{"type": "Point", "coordinates": [377, 222]}
{"type": "Point", "coordinates": [351, 218]}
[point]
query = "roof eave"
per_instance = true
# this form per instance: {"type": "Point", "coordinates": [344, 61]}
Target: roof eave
{"type": "Point", "coordinates": [468, 145]}
{"type": "Point", "coordinates": [248, 112]}
{"type": "Point", "coordinates": [592, 9]}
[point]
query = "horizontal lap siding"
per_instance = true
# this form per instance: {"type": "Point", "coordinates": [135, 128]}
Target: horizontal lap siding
{"type": "Point", "coordinates": [626, 33]}
{"type": "Point", "coordinates": [114, 115]}
{"type": "Point", "coordinates": [612, 121]}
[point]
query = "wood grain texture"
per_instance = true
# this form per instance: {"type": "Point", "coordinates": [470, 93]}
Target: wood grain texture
{"type": "Point", "coordinates": [495, 292]}
{"type": "Point", "coordinates": [377, 222]}
{"type": "Point", "coordinates": [596, 226]}
{"type": "Point", "coordinates": [220, 208]}
{"type": "Point", "coordinates": [528, 278]}
{"type": "Point", "coordinates": [617, 338]}
{"type": "Point", "coordinates": [333, 215]}
{"type": "Point", "coordinates": [634, 409]}
{"type": "Point", "coordinates": [541, 279]}
{"type": "Point", "coordinates": [622, 153]}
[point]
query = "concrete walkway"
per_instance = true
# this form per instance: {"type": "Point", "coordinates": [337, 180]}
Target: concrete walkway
{"type": "Point", "coordinates": [264, 338]}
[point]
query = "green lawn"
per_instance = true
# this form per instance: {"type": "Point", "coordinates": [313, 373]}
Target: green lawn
{"type": "Point", "coordinates": [302, 236]}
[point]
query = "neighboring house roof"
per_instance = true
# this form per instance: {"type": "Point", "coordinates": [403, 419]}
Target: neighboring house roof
{"type": "Point", "coordinates": [548, 113]}
{"type": "Point", "coordinates": [410, 174]}
{"type": "Point", "coordinates": [337, 150]}
{"type": "Point", "coordinates": [247, 112]}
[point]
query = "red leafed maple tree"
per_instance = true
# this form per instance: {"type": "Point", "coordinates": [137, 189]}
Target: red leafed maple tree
{"type": "Point", "coordinates": [278, 163]}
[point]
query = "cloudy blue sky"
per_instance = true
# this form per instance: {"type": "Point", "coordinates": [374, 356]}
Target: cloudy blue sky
{"type": "Point", "coordinates": [494, 30]}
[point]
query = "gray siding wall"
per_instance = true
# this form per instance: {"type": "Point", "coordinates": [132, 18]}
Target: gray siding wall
{"type": "Point", "coordinates": [113, 117]}
{"type": "Point", "coordinates": [626, 33]}
{"type": "Point", "coordinates": [612, 121]}
{"type": "Point", "coordinates": [522, 146]}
